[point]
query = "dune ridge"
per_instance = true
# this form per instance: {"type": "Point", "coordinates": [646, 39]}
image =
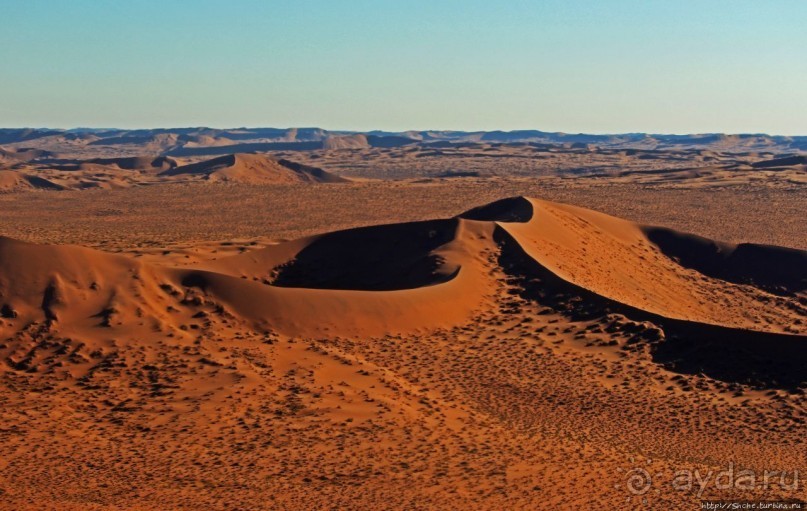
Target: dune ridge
{"type": "Point", "coordinates": [252, 169]}
{"type": "Point", "coordinates": [622, 261]}
{"type": "Point", "coordinates": [406, 277]}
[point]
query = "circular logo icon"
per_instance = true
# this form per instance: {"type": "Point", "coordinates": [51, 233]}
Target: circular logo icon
{"type": "Point", "coordinates": [639, 481]}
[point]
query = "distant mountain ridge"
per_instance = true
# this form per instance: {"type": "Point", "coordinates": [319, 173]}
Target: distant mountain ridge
{"type": "Point", "coordinates": [202, 140]}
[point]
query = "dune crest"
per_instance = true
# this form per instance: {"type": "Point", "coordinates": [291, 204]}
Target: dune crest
{"type": "Point", "coordinates": [621, 260]}
{"type": "Point", "coordinates": [253, 169]}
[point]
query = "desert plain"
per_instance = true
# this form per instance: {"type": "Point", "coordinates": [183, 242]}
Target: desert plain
{"type": "Point", "coordinates": [296, 319]}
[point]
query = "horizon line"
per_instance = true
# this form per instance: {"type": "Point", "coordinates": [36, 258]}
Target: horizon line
{"type": "Point", "coordinates": [353, 131]}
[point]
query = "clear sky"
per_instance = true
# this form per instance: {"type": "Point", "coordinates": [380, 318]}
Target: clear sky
{"type": "Point", "coordinates": [662, 66]}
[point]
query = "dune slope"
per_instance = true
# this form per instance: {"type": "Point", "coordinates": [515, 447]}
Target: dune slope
{"type": "Point", "coordinates": [253, 169]}
{"type": "Point", "coordinates": [642, 267]}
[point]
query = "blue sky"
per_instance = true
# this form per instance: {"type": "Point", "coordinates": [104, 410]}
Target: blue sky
{"type": "Point", "coordinates": [663, 66]}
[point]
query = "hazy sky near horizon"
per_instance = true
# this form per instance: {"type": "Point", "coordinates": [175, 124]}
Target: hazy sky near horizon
{"type": "Point", "coordinates": [661, 66]}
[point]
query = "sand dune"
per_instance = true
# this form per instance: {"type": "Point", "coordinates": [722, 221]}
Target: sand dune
{"type": "Point", "coordinates": [141, 163]}
{"type": "Point", "coordinates": [207, 141]}
{"type": "Point", "coordinates": [11, 180]}
{"type": "Point", "coordinates": [156, 143]}
{"type": "Point", "coordinates": [253, 169]}
{"type": "Point", "coordinates": [20, 155]}
{"type": "Point", "coordinates": [72, 287]}
{"type": "Point", "coordinates": [525, 344]}
{"type": "Point", "coordinates": [346, 142]}
{"type": "Point", "coordinates": [281, 296]}
{"type": "Point", "coordinates": [622, 261]}
{"type": "Point", "coordinates": [787, 161]}
{"type": "Point", "coordinates": [684, 162]}
{"type": "Point", "coordinates": [14, 181]}
{"type": "Point", "coordinates": [124, 172]}
{"type": "Point", "coordinates": [136, 163]}
{"type": "Point", "coordinates": [405, 277]}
